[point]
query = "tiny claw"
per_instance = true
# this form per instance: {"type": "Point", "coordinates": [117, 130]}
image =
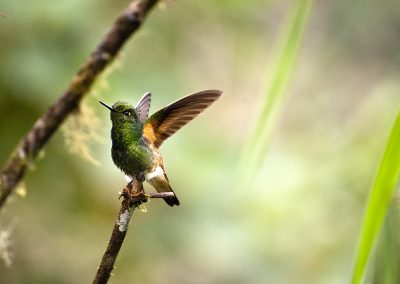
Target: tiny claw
{"type": "Point", "coordinates": [126, 192]}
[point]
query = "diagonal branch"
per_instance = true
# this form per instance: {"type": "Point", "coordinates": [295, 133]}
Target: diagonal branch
{"type": "Point", "coordinates": [127, 23]}
{"type": "Point", "coordinates": [133, 196]}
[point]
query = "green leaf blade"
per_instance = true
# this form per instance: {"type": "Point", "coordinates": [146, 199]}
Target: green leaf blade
{"type": "Point", "coordinates": [386, 179]}
{"type": "Point", "coordinates": [288, 47]}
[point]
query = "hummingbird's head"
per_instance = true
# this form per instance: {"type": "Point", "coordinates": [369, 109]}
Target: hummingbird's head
{"type": "Point", "coordinates": [122, 113]}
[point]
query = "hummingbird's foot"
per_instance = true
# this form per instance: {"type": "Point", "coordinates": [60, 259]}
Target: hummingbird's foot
{"type": "Point", "coordinates": [126, 192]}
{"type": "Point", "coordinates": [136, 196]}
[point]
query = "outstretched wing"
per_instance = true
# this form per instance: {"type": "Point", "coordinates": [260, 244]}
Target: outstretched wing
{"type": "Point", "coordinates": [143, 106]}
{"type": "Point", "coordinates": [170, 119]}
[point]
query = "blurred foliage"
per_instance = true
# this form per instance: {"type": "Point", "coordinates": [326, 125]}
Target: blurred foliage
{"type": "Point", "coordinates": [301, 221]}
{"type": "Point", "coordinates": [256, 148]}
{"type": "Point", "coordinates": [386, 181]}
{"type": "Point", "coordinates": [387, 259]}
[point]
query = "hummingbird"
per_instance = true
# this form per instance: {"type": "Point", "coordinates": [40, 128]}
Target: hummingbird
{"type": "Point", "coordinates": [136, 138]}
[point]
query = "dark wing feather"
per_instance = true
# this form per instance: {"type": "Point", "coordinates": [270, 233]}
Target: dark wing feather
{"type": "Point", "coordinates": [143, 106]}
{"type": "Point", "coordinates": [170, 119]}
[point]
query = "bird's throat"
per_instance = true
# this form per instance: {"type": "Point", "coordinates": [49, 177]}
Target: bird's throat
{"type": "Point", "coordinates": [126, 135]}
{"type": "Point", "coordinates": [129, 152]}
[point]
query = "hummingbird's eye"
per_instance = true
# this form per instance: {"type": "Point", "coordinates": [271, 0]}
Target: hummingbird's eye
{"type": "Point", "coordinates": [127, 112]}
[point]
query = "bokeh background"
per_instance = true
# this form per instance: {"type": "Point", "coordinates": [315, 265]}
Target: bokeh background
{"type": "Point", "coordinates": [298, 223]}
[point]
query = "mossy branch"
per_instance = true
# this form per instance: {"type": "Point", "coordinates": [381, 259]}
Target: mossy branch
{"type": "Point", "coordinates": [133, 196]}
{"type": "Point", "coordinates": [27, 149]}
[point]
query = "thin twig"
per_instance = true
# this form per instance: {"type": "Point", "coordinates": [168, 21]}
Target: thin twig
{"type": "Point", "coordinates": [133, 196]}
{"type": "Point", "coordinates": [162, 195]}
{"type": "Point", "coordinates": [118, 233]}
{"type": "Point", "coordinates": [28, 148]}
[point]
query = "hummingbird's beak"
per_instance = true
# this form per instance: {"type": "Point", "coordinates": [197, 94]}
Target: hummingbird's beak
{"type": "Point", "coordinates": [107, 106]}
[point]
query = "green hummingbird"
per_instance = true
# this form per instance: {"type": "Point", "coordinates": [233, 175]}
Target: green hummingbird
{"type": "Point", "coordinates": [136, 138]}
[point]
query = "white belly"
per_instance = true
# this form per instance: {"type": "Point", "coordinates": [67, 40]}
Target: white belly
{"type": "Point", "coordinates": [158, 180]}
{"type": "Point", "coordinates": [158, 173]}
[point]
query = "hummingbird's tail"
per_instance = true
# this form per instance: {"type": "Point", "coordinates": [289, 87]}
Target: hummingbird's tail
{"type": "Point", "coordinates": [158, 179]}
{"type": "Point", "coordinates": [172, 200]}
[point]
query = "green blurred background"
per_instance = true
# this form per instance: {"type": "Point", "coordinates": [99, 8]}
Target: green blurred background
{"type": "Point", "coordinates": [300, 221]}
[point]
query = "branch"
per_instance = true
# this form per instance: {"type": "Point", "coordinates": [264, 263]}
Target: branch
{"type": "Point", "coordinates": [27, 149]}
{"type": "Point", "coordinates": [133, 196]}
